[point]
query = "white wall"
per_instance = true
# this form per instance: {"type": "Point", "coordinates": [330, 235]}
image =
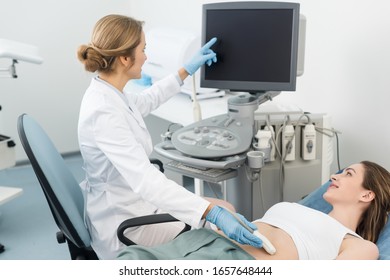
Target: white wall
{"type": "Point", "coordinates": [347, 66]}
{"type": "Point", "coordinates": [50, 92]}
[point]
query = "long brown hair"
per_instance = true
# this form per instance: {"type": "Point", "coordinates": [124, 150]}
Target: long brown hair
{"type": "Point", "coordinates": [113, 36]}
{"type": "Point", "coordinates": [376, 179]}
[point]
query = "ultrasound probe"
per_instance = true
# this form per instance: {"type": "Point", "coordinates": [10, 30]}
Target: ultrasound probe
{"type": "Point", "coordinates": [267, 245]}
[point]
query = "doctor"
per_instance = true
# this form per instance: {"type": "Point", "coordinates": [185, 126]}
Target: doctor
{"type": "Point", "coordinates": [115, 144]}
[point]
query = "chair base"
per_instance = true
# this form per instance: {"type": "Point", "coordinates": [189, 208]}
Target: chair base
{"type": "Point", "coordinates": [77, 253]}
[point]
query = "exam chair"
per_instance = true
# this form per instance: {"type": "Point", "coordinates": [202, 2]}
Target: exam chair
{"type": "Point", "coordinates": [64, 195]}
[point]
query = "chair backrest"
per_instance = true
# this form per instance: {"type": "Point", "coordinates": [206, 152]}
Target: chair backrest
{"type": "Point", "coordinates": [60, 187]}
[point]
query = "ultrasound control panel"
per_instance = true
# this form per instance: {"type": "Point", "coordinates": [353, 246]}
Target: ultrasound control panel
{"type": "Point", "coordinates": [215, 137]}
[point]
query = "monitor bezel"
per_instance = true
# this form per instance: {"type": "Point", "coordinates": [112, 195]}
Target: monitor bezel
{"type": "Point", "coordinates": [254, 86]}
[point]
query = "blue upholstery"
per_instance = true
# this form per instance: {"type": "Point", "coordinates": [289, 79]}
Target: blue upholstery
{"type": "Point", "coordinates": [315, 201]}
{"type": "Point", "coordinates": [61, 189]}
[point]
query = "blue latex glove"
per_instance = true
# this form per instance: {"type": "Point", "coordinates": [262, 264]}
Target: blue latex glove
{"type": "Point", "coordinates": [204, 55]}
{"type": "Point", "coordinates": [145, 80]}
{"type": "Point", "coordinates": [232, 228]}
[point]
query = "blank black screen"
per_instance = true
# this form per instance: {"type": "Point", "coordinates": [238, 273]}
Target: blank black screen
{"type": "Point", "coordinates": [253, 44]}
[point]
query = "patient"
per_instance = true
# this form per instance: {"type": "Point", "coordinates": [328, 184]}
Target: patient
{"type": "Point", "coordinates": [360, 200]}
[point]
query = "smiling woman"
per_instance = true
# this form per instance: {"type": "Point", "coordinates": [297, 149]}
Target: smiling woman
{"type": "Point", "coordinates": [360, 197]}
{"type": "Point", "coordinates": [115, 144]}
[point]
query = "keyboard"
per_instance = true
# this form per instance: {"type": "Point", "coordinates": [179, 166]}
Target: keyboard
{"type": "Point", "coordinates": [212, 175]}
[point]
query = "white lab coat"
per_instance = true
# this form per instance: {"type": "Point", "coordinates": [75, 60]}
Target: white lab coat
{"type": "Point", "coordinates": [120, 180]}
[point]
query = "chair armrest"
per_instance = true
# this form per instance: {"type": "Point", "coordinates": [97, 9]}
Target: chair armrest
{"type": "Point", "coordinates": [159, 163]}
{"type": "Point", "coordinates": [144, 220]}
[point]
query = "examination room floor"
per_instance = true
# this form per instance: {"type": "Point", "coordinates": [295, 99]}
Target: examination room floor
{"type": "Point", "coordinates": [27, 228]}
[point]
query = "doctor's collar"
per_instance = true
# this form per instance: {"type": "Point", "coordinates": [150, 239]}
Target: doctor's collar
{"type": "Point", "coordinates": [121, 94]}
{"type": "Point", "coordinates": [97, 78]}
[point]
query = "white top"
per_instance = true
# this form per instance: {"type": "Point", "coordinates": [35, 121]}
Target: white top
{"type": "Point", "coordinates": [316, 235]}
{"type": "Point", "coordinates": [120, 180]}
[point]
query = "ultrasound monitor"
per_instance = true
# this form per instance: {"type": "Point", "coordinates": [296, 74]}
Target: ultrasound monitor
{"type": "Point", "coordinates": [257, 46]}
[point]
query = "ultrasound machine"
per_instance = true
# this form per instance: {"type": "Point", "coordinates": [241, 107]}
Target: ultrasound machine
{"type": "Point", "coordinates": [258, 58]}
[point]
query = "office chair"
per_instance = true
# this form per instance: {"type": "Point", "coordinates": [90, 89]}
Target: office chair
{"type": "Point", "coordinates": [64, 195]}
